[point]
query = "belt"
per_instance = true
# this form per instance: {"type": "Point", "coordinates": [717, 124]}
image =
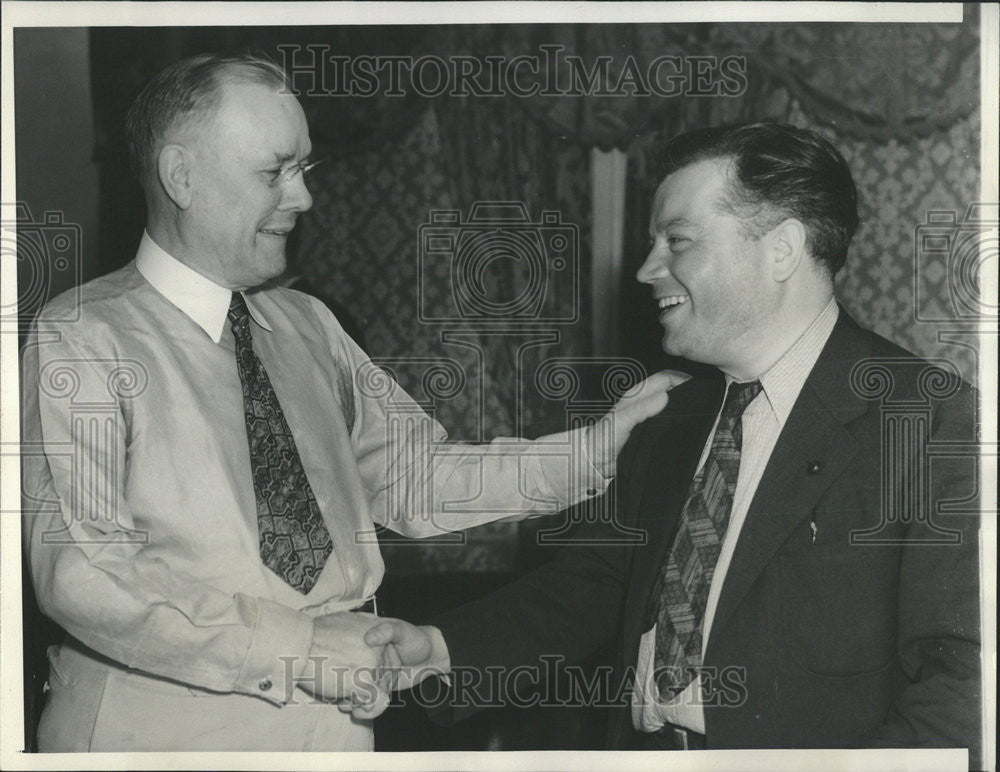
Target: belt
{"type": "Point", "coordinates": [370, 606]}
{"type": "Point", "coordinates": [672, 738]}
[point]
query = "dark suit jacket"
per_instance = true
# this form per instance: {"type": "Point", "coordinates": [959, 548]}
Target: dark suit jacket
{"type": "Point", "coordinates": [867, 637]}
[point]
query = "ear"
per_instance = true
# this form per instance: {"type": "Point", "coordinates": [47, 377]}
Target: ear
{"type": "Point", "coordinates": [173, 167]}
{"type": "Point", "coordinates": [788, 242]}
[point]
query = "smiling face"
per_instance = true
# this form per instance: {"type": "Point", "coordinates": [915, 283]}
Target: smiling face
{"type": "Point", "coordinates": [711, 281]}
{"type": "Point", "coordinates": [240, 215]}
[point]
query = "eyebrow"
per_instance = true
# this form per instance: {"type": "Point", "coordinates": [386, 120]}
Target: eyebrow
{"type": "Point", "coordinates": [661, 225]}
{"type": "Point", "coordinates": [282, 158]}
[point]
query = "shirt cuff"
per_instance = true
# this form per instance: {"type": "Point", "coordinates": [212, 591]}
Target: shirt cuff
{"type": "Point", "coordinates": [440, 661]}
{"type": "Point", "coordinates": [572, 475]}
{"type": "Point", "coordinates": [278, 652]}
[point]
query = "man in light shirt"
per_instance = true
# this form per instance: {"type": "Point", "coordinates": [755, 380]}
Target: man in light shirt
{"type": "Point", "coordinates": [205, 464]}
{"type": "Point", "coordinates": [809, 579]}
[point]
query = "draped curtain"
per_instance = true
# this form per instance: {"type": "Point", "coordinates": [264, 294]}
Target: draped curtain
{"type": "Point", "coordinates": [878, 82]}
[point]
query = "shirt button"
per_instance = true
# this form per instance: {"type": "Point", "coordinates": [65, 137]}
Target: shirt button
{"type": "Point", "coordinates": [813, 467]}
{"type": "Point", "coordinates": [591, 491]}
{"type": "Point", "coordinates": [265, 684]}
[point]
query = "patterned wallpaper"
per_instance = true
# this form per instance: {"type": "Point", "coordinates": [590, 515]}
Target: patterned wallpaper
{"type": "Point", "coordinates": [359, 245]}
{"type": "Point", "coordinates": [892, 283]}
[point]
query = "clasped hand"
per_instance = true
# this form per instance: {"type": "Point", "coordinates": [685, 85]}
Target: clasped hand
{"type": "Point", "coordinates": [358, 659]}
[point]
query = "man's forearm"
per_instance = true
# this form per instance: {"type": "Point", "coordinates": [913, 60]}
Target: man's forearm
{"type": "Point", "coordinates": [447, 487]}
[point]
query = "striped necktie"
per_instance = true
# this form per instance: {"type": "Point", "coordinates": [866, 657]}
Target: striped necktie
{"type": "Point", "coordinates": [681, 592]}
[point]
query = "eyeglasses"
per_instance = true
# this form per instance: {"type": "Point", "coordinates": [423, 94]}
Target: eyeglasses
{"type": "Point", "coordinates": [293, 171]}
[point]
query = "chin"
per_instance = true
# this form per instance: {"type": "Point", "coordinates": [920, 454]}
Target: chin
{"type": "Point", "coordinates": [670, 346]}
{"type": "Point", "coordinates": [272, 266]}
{"type": "Point", "coordinates": [678, 349]}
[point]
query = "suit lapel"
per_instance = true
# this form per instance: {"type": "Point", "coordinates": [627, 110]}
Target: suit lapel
{"type": "Point", "coordinates": [815, 432]}
{"type": "Point", "coordinates": [787, 493]}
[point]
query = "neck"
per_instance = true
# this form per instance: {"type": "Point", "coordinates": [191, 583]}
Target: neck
{"type": "Point", "coordinates": [766, 346]}
{"type": "Point", "coordinates": [165, 230]}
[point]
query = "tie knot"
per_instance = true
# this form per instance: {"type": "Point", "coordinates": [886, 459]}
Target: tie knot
{"type": "Point", "coordinates": [739, 396]}
{"type": "Point", "coordinates": [239, 314]}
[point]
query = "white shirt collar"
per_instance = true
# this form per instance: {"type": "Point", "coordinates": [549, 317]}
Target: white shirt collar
{"type": "Point", "coordinates": [201, 299]}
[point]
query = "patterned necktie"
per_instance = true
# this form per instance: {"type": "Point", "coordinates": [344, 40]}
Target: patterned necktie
{"type": "Point", "coordinates": [294, 541]}
{"type": "Point", "coordinates": [681, 593]}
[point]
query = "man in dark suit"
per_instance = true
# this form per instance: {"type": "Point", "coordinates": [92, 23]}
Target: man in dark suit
{"type": "Point", "coordinates": [806, 576]}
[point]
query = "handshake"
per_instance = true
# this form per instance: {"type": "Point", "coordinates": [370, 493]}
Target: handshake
{"type": "Point", "coordinates": [359, 659]}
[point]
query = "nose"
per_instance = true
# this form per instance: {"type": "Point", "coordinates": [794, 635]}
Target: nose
{"type": "Point", "coordinates": [295, 196]}
{"type": "Point", "coordinates": [654, 267]}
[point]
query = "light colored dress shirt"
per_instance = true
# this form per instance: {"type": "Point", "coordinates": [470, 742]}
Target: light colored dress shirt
{"type": "Point", "coordinates": [763, 421]}
{"type": "Point", "coordinates": [140, 516]}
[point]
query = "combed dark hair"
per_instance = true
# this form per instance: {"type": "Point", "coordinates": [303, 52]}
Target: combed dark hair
{"type": "Point", "coordinates": [190, 88]}
{"type": "Point", "coordinates": [779, 171]}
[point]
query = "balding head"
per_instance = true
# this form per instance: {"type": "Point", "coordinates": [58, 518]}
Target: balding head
{"type": "Point", "coordinates": [183, 98]}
